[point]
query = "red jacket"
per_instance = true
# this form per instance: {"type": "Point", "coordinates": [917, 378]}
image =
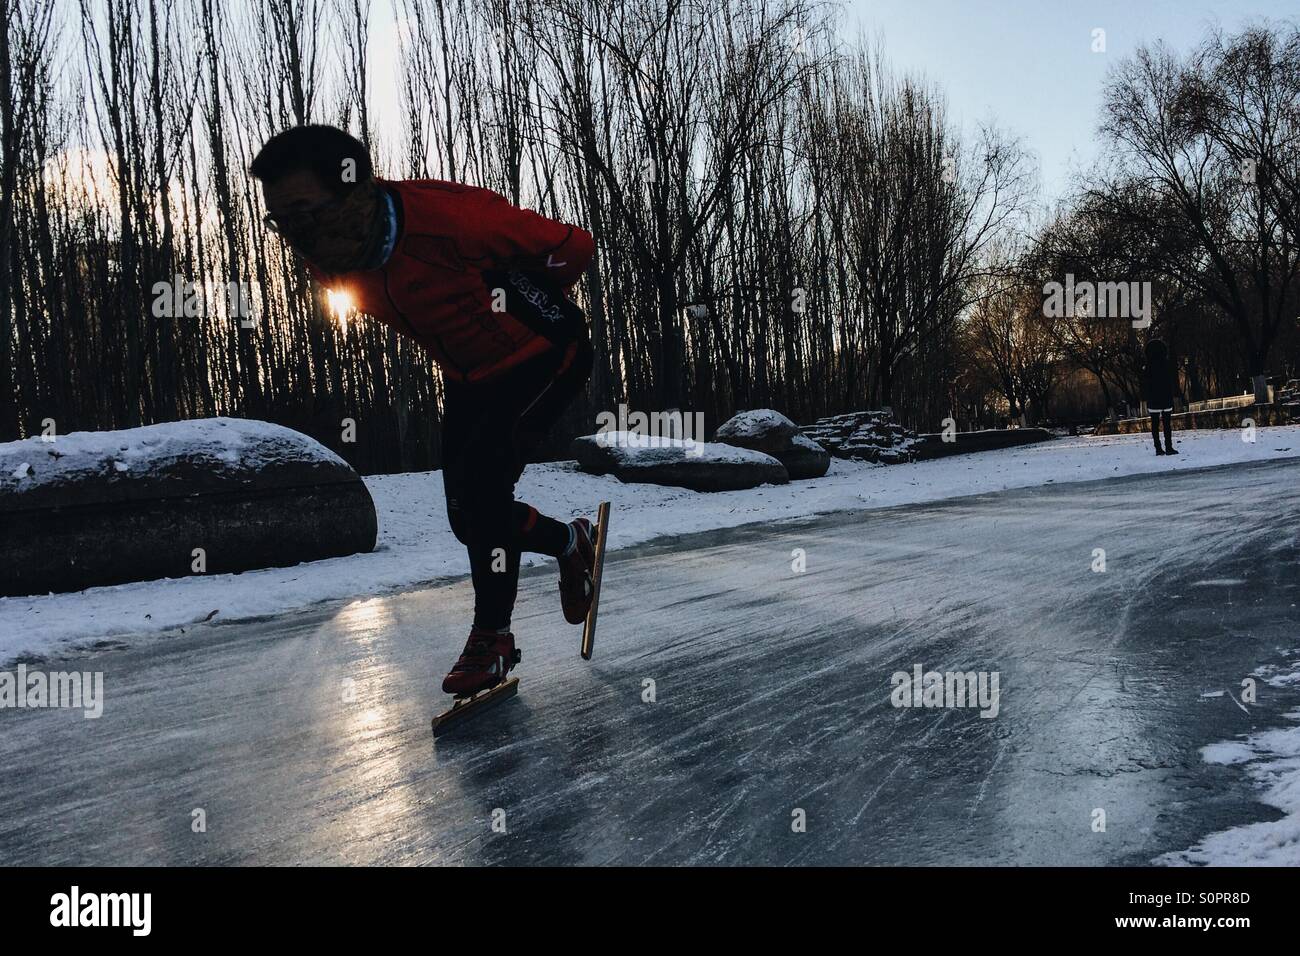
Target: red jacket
{"type": "Point", "coordinates": [432, 287]}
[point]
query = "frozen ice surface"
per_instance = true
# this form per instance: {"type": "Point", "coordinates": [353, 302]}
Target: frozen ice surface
{"type": "Point", "coordinates": [416, 544]}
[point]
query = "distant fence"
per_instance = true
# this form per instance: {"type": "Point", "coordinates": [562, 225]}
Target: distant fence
{"type": "Point", "coordinates": [1214, 418]}
{"type": "Point", "coordinates": [1232, 401]}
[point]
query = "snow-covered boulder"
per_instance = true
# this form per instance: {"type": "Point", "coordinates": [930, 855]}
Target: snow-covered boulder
{"type": "Point", "coordinates": [700, 466]}
{"type": "Point", "coordinates": [759, 429]}
{"type": "Point", "coordinates": [173, 500]}
{"type": "Point", "coordinates": [768, 431]}
{"type": "Point", "coordinates": [804, 459]}
{"type": "Point", "coordinates": [863, 436]}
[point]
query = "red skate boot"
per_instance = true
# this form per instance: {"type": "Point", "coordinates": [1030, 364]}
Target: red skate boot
{"type": "Point", "coordinates": [575, 573]}
{"type": "Point", "coordinates": [487, 658]}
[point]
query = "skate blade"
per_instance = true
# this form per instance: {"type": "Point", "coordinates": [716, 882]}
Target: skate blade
{"type": "Point", "coordinates": [468, 706]}
{"type": "Point", "coordinates": [597, 572]}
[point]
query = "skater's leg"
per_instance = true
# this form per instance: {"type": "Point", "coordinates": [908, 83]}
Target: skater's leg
{"type": "Point", "coordinates": [482, 462]}
{"type": "Point", "coordinates": [1155, 432]}
{"type": "Point", "coordinates": [550, 403]}
{"type": "Point", "coordinates": [1169, 441]}
{"type": "Point", "coordinates": [577, 560]}
{"type": "Point", "coordinates": [490, 523]}
{"type": "Point", "coordinates": [538, 533]}
{"type": "Point", "coordinates": [477, 509]}
{"type": "Point", "coordinates": [541, 534]}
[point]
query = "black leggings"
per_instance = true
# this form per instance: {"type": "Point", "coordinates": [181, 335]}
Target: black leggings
{"type": "Point", "coordinates": [1155, 428]}
{"type": "Point", "coordinates": [487, 431]}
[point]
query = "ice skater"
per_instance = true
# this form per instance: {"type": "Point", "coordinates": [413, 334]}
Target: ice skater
{"type": "Point", "coordinates": [484, 287]}
{"type": "Point", "coordinates": [1158, 390]}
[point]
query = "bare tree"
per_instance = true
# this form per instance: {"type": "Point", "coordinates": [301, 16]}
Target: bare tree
{"type": "Point", "coordinates": [1179, 154]}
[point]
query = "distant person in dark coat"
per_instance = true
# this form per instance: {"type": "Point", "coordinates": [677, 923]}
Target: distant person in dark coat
{"type": "Point", "coordinates": [1158, 390]}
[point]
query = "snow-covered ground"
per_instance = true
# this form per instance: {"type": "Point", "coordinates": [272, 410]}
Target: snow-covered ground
{"type": "Point", "coordinates": [416, 545]}
{"type": "Point", "coordinates": [1272, 761]}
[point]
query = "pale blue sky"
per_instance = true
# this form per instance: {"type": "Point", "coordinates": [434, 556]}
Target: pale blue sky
{"type": "Point", "coordinates": [1029, 63]}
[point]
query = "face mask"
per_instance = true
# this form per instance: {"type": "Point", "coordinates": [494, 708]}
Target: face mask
{"type": "Point", "coordinates": [350, 238]}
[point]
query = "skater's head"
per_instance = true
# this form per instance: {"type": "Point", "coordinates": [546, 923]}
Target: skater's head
{"type": "Point", "coordinates": [321, 196]}
{"type": "Point", "coordinates": [1157, 351]}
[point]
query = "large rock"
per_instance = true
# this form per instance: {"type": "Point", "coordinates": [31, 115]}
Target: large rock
{"type": "Point", "coordinates": [804, 459]}
{"type": "Point", "coordinates": [97, 508]}
{"type": "Point", "coordinates": [770, 432]}
{"type": "Point", "coordinates": [760, 429]}
{"type": "Point", "coordinates": [863, 436]}
{"type": "Point", "coordinates": [700, 466]}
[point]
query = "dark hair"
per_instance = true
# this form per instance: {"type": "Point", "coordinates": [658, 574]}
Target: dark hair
{"type": "Point", "coordinates": [1156, 350]}
{"type": "Point", "coordinates": [321, 149]}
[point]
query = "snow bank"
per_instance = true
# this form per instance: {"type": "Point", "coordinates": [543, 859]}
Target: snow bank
{"type": "Point", "coordinates": [1272, 761]}
{"type": "Point", "coordinates": [416, 545]}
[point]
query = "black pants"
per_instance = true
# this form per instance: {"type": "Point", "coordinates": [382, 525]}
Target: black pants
{"type": "Point", "coordinates": [487, 431]}
{"type": "Point", "coordinates": [1155, 429]}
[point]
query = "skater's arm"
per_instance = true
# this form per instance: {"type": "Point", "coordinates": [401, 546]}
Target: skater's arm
{"type": "Point", "coordinates": [521, 239]}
